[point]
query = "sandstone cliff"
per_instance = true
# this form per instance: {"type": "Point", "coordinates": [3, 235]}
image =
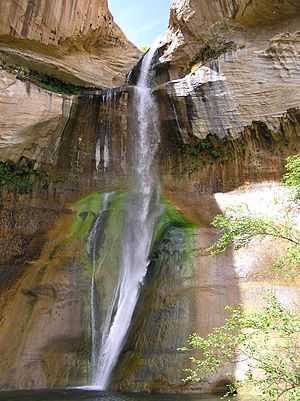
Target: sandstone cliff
{"type": "Point", "coordinates": [54, 147]}
{"type": "Point", "coordinates": [231, 73]}
{"type": "Point", "coordinates": [228, 90]}
{"type": "Point", "coordinates": [32, 120]}
{"type": "Point", "coordinates": [77, 42]}
{"type": "Point", "coordinates": [199, 31]}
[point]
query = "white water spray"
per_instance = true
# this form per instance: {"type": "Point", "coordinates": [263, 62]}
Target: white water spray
{"type": "Point", "coordinates": [142, 212]}
{"type": "Point", "coordinates": [92, 246]}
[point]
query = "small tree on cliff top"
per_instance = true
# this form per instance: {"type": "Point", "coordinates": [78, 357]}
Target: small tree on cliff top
{"type": "Point", "coordinates": [268, 340]}
{"type": "Point", "coordinates": [144, 48]}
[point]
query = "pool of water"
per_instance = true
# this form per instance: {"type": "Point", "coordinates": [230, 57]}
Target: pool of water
{"type": "Point", "coordinates": [93, 395]}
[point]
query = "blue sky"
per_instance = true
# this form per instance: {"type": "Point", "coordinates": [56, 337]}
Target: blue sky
{"type": "Point", "coordinates": [141, 20]}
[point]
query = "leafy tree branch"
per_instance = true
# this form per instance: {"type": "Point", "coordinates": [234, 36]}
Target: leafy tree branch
{"type": "Point", "coordinates": [268, 341]}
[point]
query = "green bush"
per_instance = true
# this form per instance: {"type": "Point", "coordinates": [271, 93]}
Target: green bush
{"type": "Point", "coordinates": [205, 145]}
{"type": "Point", "coordinates": [18, 178]}
{"type": "Point", "coordinates": [292, 175]}
{"type": "Point", "coordinates": [267, 341]}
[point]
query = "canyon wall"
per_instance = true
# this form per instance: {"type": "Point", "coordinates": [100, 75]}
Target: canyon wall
{"type": "Point", "coordinates": [54, 147]}
{"type": "Point", "coordinates": [76, 42]}
{"type": "Point", "coordinates": [227, 82]}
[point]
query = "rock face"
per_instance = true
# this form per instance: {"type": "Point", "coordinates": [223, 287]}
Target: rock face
{"type": "Point", "coordinates": [232, 61]}
{"type": "Point", "coordinates": [32, 120]}
{"type": "Point", "coordinates": [182, 296]}
{"type": "Point", "coordinates": [227, 84]}
{"type": "Point", "coordinates": [234, 69]}
{"type": "Point", "coordinates": [53, 149]}
{"type": "Point", "coordinates": [75, 42]}
{"type": "Point", "coordinates": [200, 31]}
{"type": "Point", "coordinates": [46, 343]}
{"type": "Point", "coordinates": [82, 138]}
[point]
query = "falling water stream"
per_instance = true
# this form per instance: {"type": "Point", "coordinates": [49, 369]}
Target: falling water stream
{"type": "Point", "coordinates": [93, 248]}
{"type": "Point", "coordinates": [141, 214]}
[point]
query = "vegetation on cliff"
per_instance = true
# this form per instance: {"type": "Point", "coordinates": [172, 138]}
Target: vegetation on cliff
{"type": "Point", "coordinates": [18, 178]}
{"type": "Point", "coordinates": [144, 48]}
{"type": "Point", "coordinates": [240, 225]}
{"type": "Point", "coordinates": [53, 84]}
{"type": "Point", "coordinates": [267, 341]}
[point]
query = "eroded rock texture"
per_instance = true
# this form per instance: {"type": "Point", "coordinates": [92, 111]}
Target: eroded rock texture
{"type": "Point", "coordinates": [32, 120]}
{"type": "Point", "coordinates": [227, 85]}
{"type": "Point", "coordinates": [201, 30]}
{"type": "Point", "coordinates": [234, 69]}
{"type": "Point", "coordinates": [77, 42]}
{"type": "Point", "coordinates": [82, 138]}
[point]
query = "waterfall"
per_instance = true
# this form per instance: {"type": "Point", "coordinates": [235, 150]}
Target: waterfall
{"type": "Point", "coordinates": [94, 243]}
{"type": "Point", "coordinates": [142, 212]}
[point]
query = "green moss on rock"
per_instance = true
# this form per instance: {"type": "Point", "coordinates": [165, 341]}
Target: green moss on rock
{"type": "Point", "coordinates": [86, 210]}
{"type": "Point", "coordinates": [53, 84]}
{"type": "Point", "coordinates": [174, 234]}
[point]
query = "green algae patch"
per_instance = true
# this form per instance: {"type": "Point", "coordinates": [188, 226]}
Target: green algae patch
{"type": "Point", "coordinates": [51, 83]}
{"type": "Point", "coordinates": [171, 216]}
{"type": "Point", "coordinates": [86, 210]}
{"type": "Point", "coordinates": [108, 238]}
{"type": "Point", "coordinates": [174, 236]}
{"type": "Point", "coordinates": [114, 231]}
